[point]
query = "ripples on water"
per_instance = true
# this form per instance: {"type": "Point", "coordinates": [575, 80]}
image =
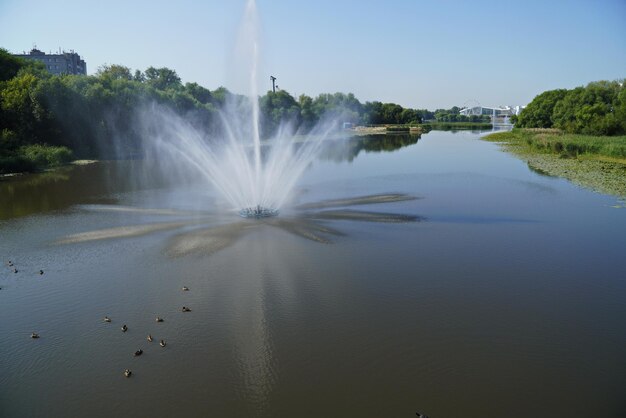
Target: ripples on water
{"type": "Point", "coordinates": [498, 288]}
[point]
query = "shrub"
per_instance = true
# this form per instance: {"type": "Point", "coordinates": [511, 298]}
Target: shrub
{"type": "Point", "coordinates": [43, 156]}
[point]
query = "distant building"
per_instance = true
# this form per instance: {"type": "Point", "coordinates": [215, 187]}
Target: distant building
{"type": "Point", "coordinates": [62, 63]}
{"type": "Point", "coordinates": [489, 111]}
{"type": "Point", "coordinates": [494, 112]}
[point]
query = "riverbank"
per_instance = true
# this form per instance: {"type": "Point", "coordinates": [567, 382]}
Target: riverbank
{"type": "Point", "coordinates": [45, 169]}
{"type": "Point", "coordinates": [594, 162]}
{"type": "Point", "coordinates": [33, 158]}
{"type": "Point", "coordinates": [385, 129]}
{"type": "Point", "coordinates": [418, 128]}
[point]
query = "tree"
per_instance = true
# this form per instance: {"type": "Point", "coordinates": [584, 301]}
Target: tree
{"type": "Point", "coordinates": [408, 116]}
{"type": "Point", "coordinates": [199, 93]}
{"type": "Point", "coordinates": [276, 108]}
{"type": "Point", "coordinates": [221, 95]}
{"type": "Point", "coordinates": [391, 113]}
{"type": "Point", "coordinates": [139, 76]}
{"type": "Point", "coordinates": [590, 110]}
{"type": "Point", "coordinates": [114, 72]}
{"type": "Point", "coordinates": [307, 114]}
{"type": "Point", "coordinates": [162, 78]}
{"type": "Point", "coordinates": [373, 113]}
{"type": "Point", "coordinates": [19, 110]}
{"type": "Point", "coordinates": [9, 65]}
{"type": "Point", "coordinates": [538, 113]}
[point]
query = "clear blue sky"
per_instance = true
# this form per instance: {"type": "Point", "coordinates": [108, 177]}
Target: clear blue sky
{"type": "Point", "coordinates": [424, 54]}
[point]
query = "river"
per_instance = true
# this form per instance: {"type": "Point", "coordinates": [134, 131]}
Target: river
{"type": "Point", "coordinates": [460, 284]}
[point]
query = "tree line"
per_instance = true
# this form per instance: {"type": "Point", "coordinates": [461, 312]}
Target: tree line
{"type": "Point", "coordinates": [599, 108]}
{"type": "Point", "coordinates": [47, 119]}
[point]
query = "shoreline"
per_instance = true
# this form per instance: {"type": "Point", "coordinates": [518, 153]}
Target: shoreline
{"type": "Point", "coordinates": [596, 172]}
{"type": "Point", "coordinates": [24, 173]}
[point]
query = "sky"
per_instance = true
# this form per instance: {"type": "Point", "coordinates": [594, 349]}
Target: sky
{"type": "Point", "coordinates": [420, 54]}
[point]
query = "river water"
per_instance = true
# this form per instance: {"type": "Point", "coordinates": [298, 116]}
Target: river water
{"type": "Point", "coordinates": [480, 288]}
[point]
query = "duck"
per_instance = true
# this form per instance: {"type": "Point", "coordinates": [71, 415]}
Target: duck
{"type": "Point", "coordinates": [124, 328]}
{"type": "Point", "coordinates": [159, 319]}
{"type": "Point", "coordinates": [15, 270]}
{"type": "Point", "coordinates": [10, 263]}
{"type": "Point", "coordinates": [185, 288]}
{"type": "Point", "coordinates": [149, 338]}
{"type": "Point", "coordinates": [40, 272]}
{"type": "Point", "coordinates": [34, 335]}
{"type": "Point", "coordinates": [186, 309]}
{"type": "Point", "coordinates": [127, 372]}
{"type": "Point", "coordinates": [162, 343]}
{"type": "Point", "coordinates": [421, 415]}
{"type": "Point", "coordinates": [138, 352]}
{"type": "Point", "coordinates": [107, 319]}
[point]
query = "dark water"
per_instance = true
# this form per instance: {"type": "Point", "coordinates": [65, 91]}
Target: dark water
{"type": "Point", "coordinates": [498, 292]}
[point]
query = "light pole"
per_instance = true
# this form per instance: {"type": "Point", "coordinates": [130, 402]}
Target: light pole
{"type": "Point", "coordinates": [273, 83]}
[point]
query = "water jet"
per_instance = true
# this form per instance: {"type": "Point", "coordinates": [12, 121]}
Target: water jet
{"type": "Point", "coordinates": [254, 172]}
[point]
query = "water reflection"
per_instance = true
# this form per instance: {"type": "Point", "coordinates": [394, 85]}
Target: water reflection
{"type": "Point", "coordinates": [64, 187]}
{"type": "Point", "coordinates": [120, 232]}
{"type": "Point", "coordinates": [349, 149]}
{"type": "Point", "coordinates": [209, 239]}
{"type": "Point", "coordinates": [95, 183]}
{"type": "Point", "coordinates": [353, 201]}
{"type": "Point", "coordinates": [354, 215]}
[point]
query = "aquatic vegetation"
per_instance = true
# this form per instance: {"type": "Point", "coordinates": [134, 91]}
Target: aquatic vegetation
{"type": "Point", "coordinates": [594, 162]}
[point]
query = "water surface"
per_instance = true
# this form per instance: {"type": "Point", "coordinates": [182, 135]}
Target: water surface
{"type": "Point", "coordinates": [498, 292]}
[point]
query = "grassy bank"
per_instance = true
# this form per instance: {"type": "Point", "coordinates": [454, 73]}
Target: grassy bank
{"type": "Point", "coordinates": [34, 158]}
{"type": "Point", "coordinates": [596, 162]}
{"type": "Point", "coordinates": [552, 141]}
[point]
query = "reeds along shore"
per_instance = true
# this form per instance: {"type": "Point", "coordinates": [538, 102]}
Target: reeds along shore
{"type": "Point", "coordinates": [553, 141]}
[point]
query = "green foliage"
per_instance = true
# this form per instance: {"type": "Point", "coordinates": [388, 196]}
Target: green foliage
{"type": "Point", "coordinates": [114, 72]}
{"type": "Point", "coordinates": [308, 117]}
{"type": "Point", "coordinates": [162, 78]}
{"type": "Point", "coordinates": [29, 157]}
{"type": "Point", "coordinates": [85, 114]}
{"type": "Point", "coordinates": [453, 115]}
{"type": "Point", "coordinates": [553, 141]}
{"type": "Point", "coordinates": [597, 109]}
{"type": "Point", "coordinates": [590, 110]}
{"type": "Point", "coordinates": [43, 156]}
{"type": "Point", "coordinates": [199, 93]}
{"type": "Point", "coordinates": [538, 113]}
{"type": "Point", "coordinates": [9, 65]}
{"type": "Point", "coordinates": [277, 107]}
{"type": "Point", "coordinates": [338, 106]}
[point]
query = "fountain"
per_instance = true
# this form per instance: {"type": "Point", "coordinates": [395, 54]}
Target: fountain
{"type": "Point", "coordinates": [258, 212]}
{"type": "Point", "coordinates": [254, 177]}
